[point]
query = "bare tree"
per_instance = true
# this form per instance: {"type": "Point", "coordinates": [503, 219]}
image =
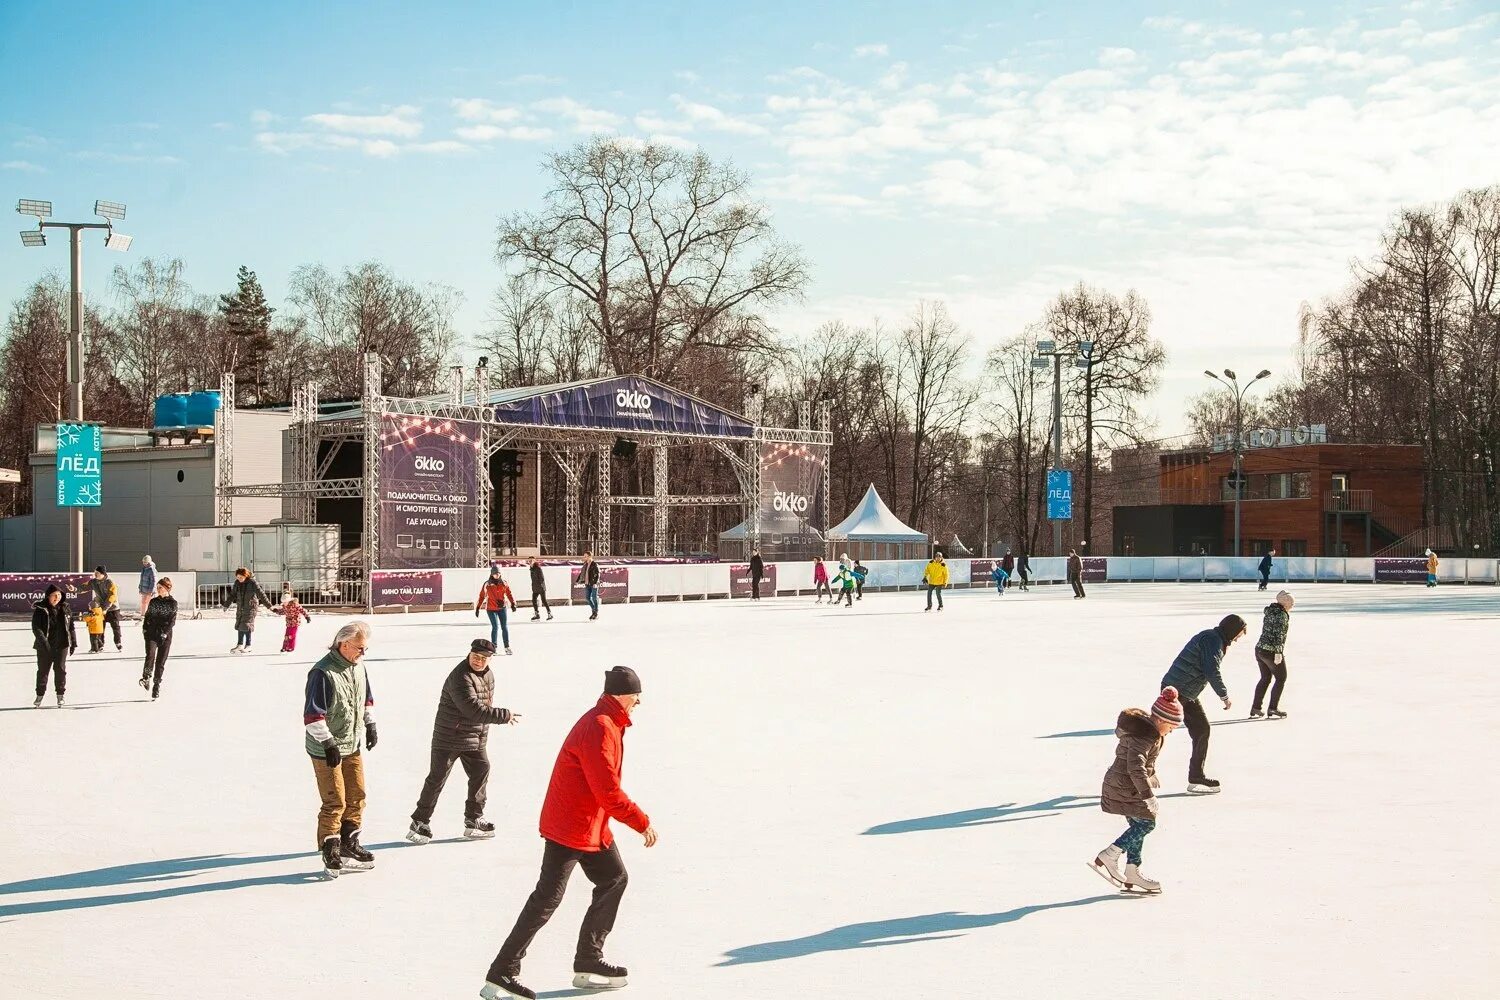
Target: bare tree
{"type": "Point", "coordinates": [934, 354]}
{"type": "Point", "coordinates": [1018, 417]}
{"type": "Point", "coordinates": [521, 325]}
{"type": "Point", "coordinates": [152, 333]}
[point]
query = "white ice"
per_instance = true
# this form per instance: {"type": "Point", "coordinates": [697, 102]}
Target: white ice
{"type": "Point", "coordinates": [876, 801]}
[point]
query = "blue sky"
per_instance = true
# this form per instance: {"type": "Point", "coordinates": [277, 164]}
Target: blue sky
{"type": "Point", "coordinates": [1226, 160]}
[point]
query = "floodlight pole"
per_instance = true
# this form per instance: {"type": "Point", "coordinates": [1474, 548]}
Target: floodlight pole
{"type": "Point", "coordinates": [1238, 392]}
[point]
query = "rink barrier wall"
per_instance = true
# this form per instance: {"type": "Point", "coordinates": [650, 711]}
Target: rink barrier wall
{"type": "Point", "coordinates": [711, 581]}
{"type": "Point", "coordinates": [184, 588]}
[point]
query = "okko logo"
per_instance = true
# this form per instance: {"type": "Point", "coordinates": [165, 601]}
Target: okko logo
{"type": "Point", "coordinates": [794, 503]}
{"type": "Point", "coordinates": [630, 399]}
{"type": "Point", "coordinates": [426, 463]}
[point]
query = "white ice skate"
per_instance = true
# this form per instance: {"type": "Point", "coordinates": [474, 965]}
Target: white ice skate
{"type": "Point", "coordinates": [599, 975]}
{"type": "Point", "coordinates": [1107, 864]}
{"type": "Point", "coordinates": [1136, 880]}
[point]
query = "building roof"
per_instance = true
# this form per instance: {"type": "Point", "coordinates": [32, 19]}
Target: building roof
{"type": "Point", "coordinates": [872, 521]}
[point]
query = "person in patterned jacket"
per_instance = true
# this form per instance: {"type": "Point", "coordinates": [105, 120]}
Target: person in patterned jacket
{"type": "Point", "coordinates": [1270, 655]}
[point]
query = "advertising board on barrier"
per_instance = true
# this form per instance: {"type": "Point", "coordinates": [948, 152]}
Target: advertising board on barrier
{"type": "Point", "coordinates": [429, 486]}
{"type": "Point", "coordinates": [1401, 570]}
{"type": "Point", "coordinates": [19, 591]}
{"type": "Point", "coordinates": [739, 581]}
{"type": "Point", "coordinates": [614, 585]}
{"type": "Point", "coordinates": [1095, 569]}
{"type": "Point", "coordinates": [980, 570]}
{"type": "Point", "coordinates": [416, 588]}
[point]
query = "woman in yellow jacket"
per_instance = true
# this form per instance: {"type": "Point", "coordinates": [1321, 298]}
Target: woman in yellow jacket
{"type": "Point", "coordinates": [936, 578]}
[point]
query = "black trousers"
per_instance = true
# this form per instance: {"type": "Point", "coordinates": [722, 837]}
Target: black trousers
{"type": "Point", "coordinates": [476, 765]}
{"type": "Point", "coordinates": [1077, 582]}
{"type": "Point", "coordinates": [1199, 729]}
{"type": "Point", "coordinates": [56, 664]}
{"type": "Point", "coordinates": [112, 619]}
{"type": "Point", "coordinates": [539, 601]}
{"type": "Point", "coordinates": [1269, 668]}
{"type": "Point", "coordinates": [1265, 578]}
{"type": "Point", "coordinates": [156, 661]}
{"type": "Point", "coordinates": [1025, 579]}
{"type": "Point", "coordinates": [755, 588]}
{"type": "Point", "coordinates": [931, 589]}
{"type": "Point", "coordinates": [859, 590]}
{"type": "Point", "coordinates": [604, 868]}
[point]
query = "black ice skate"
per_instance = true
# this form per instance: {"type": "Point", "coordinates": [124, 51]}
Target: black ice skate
{"type": "Point", "coordinates": [479, 829]}
{"type": "Point", "coordinates": [506, 987]}
{"type": "Point", "coordinates": [420, 833]}
{"type": "Point", "coordinates": [1202, 786]}
{"type": "Point", "coordinates": [1256, 713]}
{"type": "Point", "coordinates": [145, 684]}
{"type": "Point", "coordinates": [1276, 713]}
{"type": "Point", "coordinates": [354, 857]}
{"type": "Point", "coordinates": [598, 975]}
{"type": "Point", "coordinates": [332, 864]}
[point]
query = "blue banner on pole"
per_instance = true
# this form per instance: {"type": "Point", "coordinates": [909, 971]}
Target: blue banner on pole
{"type": "Point", "coordinates": [1059, 495]}
{"type": "Point", "coordinates": [79, 455]}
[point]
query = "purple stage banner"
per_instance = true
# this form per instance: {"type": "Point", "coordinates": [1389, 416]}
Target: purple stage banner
{"type": "Point", "coordinates": [625, 403]}
{"type": "Point", "coordinates": [1095, 569]}
{"type": "Point", "coordinates": [420, 587]}
{"type": "Point", "coordinates": [1401, 570]}
{"type": "Point", "coordinates": [19, 591]}
{"type": "Point", "coordinates": [739, 580]}
{"type": "Point", "coordinates": [791, 489]}
{"type": "Point", "coordinates": [429, 484]}
{"type": "Point", "coordinates": [980, 570]}
{"type": "Point", "coordinates": [614, 585]}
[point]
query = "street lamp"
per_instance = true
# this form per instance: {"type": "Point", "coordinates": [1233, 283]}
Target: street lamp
{"type": "Point", "coordinates": [111, 212]}
{"type": "Point", "coordinates": [1048, 349]}
{"type": "Point", "coordinates": [1238, 393]}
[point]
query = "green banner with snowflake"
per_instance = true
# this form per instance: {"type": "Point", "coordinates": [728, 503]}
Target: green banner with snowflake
{"type": "Point", "coordinates": [79, 475]}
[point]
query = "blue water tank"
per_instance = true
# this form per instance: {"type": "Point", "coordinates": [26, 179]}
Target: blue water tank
{"type": "Point", "coordinates": [171, 410]}
{"type": "Point", "coordinates": [201, 407]}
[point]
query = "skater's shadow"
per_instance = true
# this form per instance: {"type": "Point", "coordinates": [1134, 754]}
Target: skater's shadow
{"type": "Point", "coordinates": [86, 902]}
{"type": "Point", "coordinates": [901, 930]}
{"type": "Point", "coordinates": [45, 706]}
{"type": "Point", "coordinates": [1007, 813]}
{"type": "Point", "coordinates": [1234, 722]}
{"type": "Point", "coordinates": [1080, 732]}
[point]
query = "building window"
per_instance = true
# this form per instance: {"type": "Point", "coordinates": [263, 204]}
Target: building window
{"type": "Point", "coordinates": [1270, 486]}
{"type": "Point", "coordinates": [1260, 546]}
{"type": "Point", "coordinates": [1340, 482]}
{"type": "Point", "coordinates": [1129, 541]}
{"type": "Point", "coordinates": [1295, 548]}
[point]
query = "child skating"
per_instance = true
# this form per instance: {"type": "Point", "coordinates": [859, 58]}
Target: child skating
{"type": "Point", "coordinates": [845, 582]}
{"type": "Point", "coordinates": [1129, 789]}
{"type": "Point", "coordinates": [999, 575]}
{"type": "Point", "coordinates": [295, 614]}
{"type": "Point", "coordinates": [94, 619]}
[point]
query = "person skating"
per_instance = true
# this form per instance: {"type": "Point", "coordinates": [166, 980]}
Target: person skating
{"type": "Point", "coordinates": [935, 576]}
{"type": "Point", "coordinates": [1195, 668]}
{"type": "Point", "coordinates": [147, 585]}
{"type": "Point", "coordinates": [1075, 574]}
{"type": "Point", "coordinates": [1130, 788]}
{"type": "Point", "coordinates": [295, 614]}
{"type": "Point", "coordinates": [1432, 568]}
{"type": "Point", "coordinates": [244, 594]}
{"type": "Point", "coordinates": [93, 621]}
{"type": "Point", "coordinates": [461, 732]}
{"type": "Point", "coordinates": [1007, 563]}
{"type": "Point", "coordinates": [820, 579]}
{"type": "Point", "coordinates": [1265, 568]}
{"type": "Point", "coordinates": [102, 592]}
{"type": "Point", "coordinates": [1270, 655]}
{"type": "Point", "coordinates": [582, 797]}
{"type": "Point", "coordinates": [52, 639]}
{"type": "Point", "coordinates": [538, 591]}
{"type": "Point", "coordinates": [861, 572]}
{"type": "Point", "coordinates": [1023, 567]}
{"type": "Point", "coordinates": [494, 595]}
{"type": "Point", "coordinates": [999, 575]}
{"type": "Point", "coordinates": [844, 579]}
{"type": "Point", "coordinates": [338, 720]}
{"type": "Point", "coordinates": [156, 628]}
{"type": "Point", "coordinates": [588, 576]}
{"type": "Point", "coordinates": [757, 573]}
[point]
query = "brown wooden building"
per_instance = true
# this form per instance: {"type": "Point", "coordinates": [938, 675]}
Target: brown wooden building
{"type": "Point", "coordinates": [1302, 500]}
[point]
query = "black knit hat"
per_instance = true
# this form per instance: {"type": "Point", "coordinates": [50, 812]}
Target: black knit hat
{"type": "Point", "coordinates": [1231, 627]}
{"type": "Point", "coordinates": [621, 680]}
{"type": "Point", "coordinates": [101, 571]}
{"type": "Point", "coordinates": [482, 646]}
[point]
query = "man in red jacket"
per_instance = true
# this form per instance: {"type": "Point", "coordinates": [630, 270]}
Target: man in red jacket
{"type": "Point", "coordinates": [583, 796]}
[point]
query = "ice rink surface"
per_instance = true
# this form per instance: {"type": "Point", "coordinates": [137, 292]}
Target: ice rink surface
{"type": "Point", "coordinates": [851, 803]}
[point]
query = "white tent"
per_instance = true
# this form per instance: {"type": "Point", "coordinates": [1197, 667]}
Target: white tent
{"type": "Point", "coordinates": [871, 531]}
{"type": "Point", "coordinates": [957, 549]}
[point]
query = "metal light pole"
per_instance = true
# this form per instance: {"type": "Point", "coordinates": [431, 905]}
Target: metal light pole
{"type": "Point", "coordinates": [1048, 349]}
{"type": "Point", "coordinates": [1238, 393]}
{"type": "Point", "coordinates": [111, 212]}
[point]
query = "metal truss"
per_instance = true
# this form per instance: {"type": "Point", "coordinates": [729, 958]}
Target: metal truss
{"type": "Point", "coordinates": [304, 489]}
{"type": "Point", "coordinates": [796, 435]}
{"type": "Point", "coordinates": [825, 427]}
{"type": "Point", "coordinates": [685, 500]}
{"type": "Point", "coordinates": [486, 489]}
{"type": "Point", "coordinates": [602, 509]}
{"type": "Point", "coordinates": [660, 508]}
{"type": "Point", "coordinates": [571, 462]}
{"type": "Point", "coordinates": [374, 410]}
{"type": "Point", "coordinates": [224, 452]}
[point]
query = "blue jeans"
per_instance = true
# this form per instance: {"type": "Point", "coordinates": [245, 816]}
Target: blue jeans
{"type": "Point", "coordinates": [1134, 836]}
{"type": "Point", "coordinates": [591, 594]}
{"type": "Point", "coordinates": [242, 637]}
{"type": "Point", "coordinates": [499, 628]}
{"type": "Point", "coordinates": [931, 589]}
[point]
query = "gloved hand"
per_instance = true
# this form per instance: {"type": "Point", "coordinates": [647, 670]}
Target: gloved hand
{"type": "Point", "coordinates": [1278, 659]}
{"type": "Point", "coordinates": [371, 736]}
{"type": "Point", "coordinates": [331, 755]}
{"type": "Point", "coordinates": [476, 612]}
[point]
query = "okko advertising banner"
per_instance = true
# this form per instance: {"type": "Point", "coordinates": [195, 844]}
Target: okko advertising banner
{"type": "Point", "coordinates": [739, 581]}
{"type": "Point", "coordinates": [19, 591]}
{"type": "Point", "coordinates": [1095, 569]}
{"type": "Point", "coordinates": [791, 489]}
{"type": "Point", "coordinates": [614, 585]}
{"type": "Point", "coordinates": [1059, 495]}
{"type": "Point", "coordinates": [429, 484]}
{"type": "Point", "coordinates": [80, 478]}
{"type": "Point", "coordinates": [413, 588]}
{"type": "Point", "coordinates": [980, 570]}
{"type": "Point", "coordinates": [1401, 570]}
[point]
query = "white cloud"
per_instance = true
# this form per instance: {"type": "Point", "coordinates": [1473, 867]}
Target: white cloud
{"type": "Point", "coordinates": [1114, 57]}
{"type": "Point", "coordinates": [262, 118]}
{"type": "Point", "coordinates": [709, 117]}
{"type": "Point", "coordinates": [580, 117]}
{"type": "Point", "coordinates": [878, 50]}
{"type": "Point", "coordinates": [401, 122]}
{"type": "Point", "coordinates": [475, 109]}
{"type": "Point", "coordinates": [25, 166]}
{"type": "Point", "coordinates": [490, 133]}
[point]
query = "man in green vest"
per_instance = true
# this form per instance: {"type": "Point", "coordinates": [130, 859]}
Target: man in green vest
{"type": "Point", "coordinates": [337, 715]}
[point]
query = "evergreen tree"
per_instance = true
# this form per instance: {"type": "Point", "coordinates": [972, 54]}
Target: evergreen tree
{"type": "Point", "coordinates": [247, 318]}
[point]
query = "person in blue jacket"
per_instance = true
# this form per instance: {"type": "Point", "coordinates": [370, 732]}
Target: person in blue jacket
{"type": "Point", "coordinates": [860, 571]}
{"type": "Point", "coordinates": [999, 575]}
{"type": "Point", "coordinates": [1195, 668]}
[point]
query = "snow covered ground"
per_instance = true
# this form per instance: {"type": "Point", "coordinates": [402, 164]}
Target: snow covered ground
{"type": "Point", "coordinates": [850, 803]}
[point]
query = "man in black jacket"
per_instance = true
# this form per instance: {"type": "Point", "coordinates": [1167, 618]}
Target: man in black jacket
{"type": "Point", "coordinates": [156, 628]}
{"type": "Point", "coordinates": [757, 573]}
{"type": "Point", "coordinates": [1265, 569]}
{"type": "Point", "coordinates": [538, 591]}
{"type": "Point", "coordinates": [52, 630]}
{"type": "Point", "coordinates": [461, 732]}
{"type": "Point", "coordinates": [588, 576]}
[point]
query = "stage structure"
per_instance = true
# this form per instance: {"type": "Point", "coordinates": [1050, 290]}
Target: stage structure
{"type": "Point", "coordinates": [424, 484]}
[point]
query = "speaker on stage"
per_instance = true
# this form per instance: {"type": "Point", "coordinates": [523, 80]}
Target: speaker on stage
{"type": "Point", "coordinates": [623, 448]}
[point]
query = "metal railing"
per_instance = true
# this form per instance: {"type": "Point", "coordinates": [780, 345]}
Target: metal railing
{"type": "Point", "coordinates": [313, 586]}
{"type": "Point", "coordinates": [1350, 501]}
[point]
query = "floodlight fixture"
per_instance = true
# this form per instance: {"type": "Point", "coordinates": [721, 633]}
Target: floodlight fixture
{"type": "Point", "coordinates": [109, 210]}
{"type": "Point", "coordinates": [33, 238]}
{"type": "Point", "coordinates": [1085, 347]}
{"type": "Point", "coordinates": [1040, 363]}
{"type": "Point", "coordinates": [30, 206]}
{"type": "Point", "coordinates": [1264, 373]}
{"type": "Point", "coordinates": [117, 241]}
{"type": "Point", "coordinates": [1231, 375]}
{"type": "Point", "coordinates": [1209, 373]}
{"type": "Point", "coordinates": [1046, 346]}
